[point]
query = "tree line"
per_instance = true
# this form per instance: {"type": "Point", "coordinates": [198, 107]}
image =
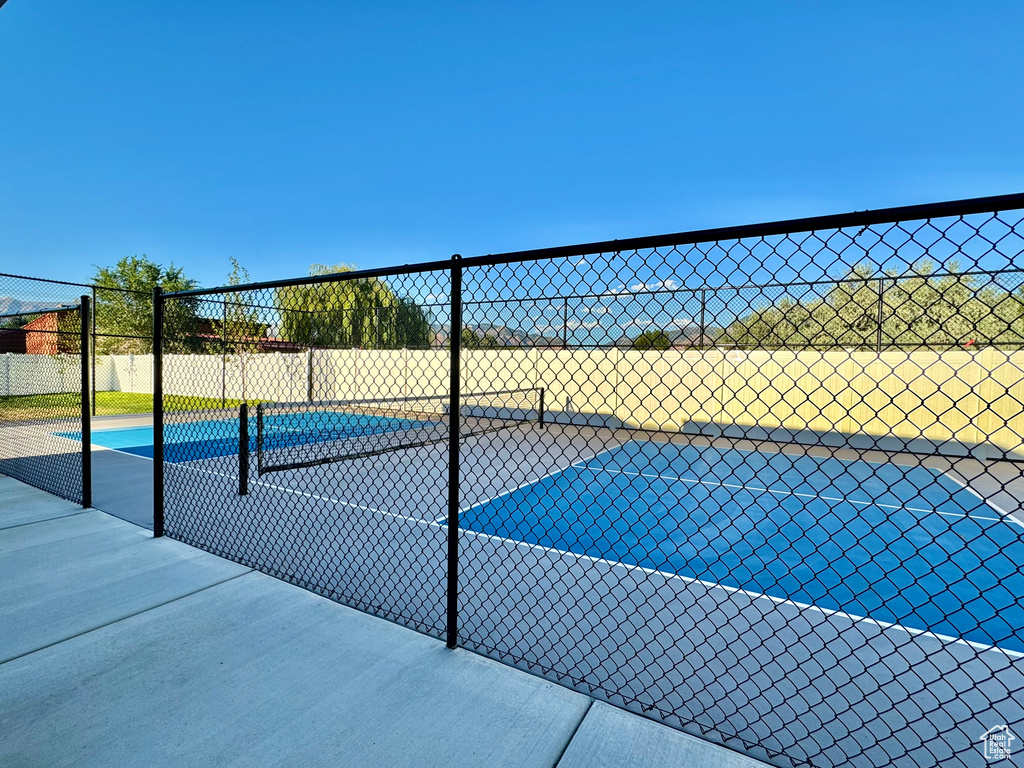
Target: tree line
{"type": "Point", "coordinates": [364, 313]}
{"type": "Point", "coordinates": [864, 310]}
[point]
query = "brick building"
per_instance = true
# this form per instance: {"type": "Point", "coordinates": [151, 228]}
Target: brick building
{"type": "Point", "coordinates": [51, 333]}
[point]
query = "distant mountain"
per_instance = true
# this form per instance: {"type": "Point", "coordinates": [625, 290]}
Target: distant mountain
{"type": "Point", "coordinates": [12, 306]}
{"type": "Point", "coordinates": [504, 335]}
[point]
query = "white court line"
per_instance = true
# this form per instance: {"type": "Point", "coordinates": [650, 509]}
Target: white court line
{"type": "Point", "coordinates": [999, 510]}
{"type": "Point", "coordinates": [105, 430]}
{"type": "Point", "coordinates": [739, 486]}
{"type": "Point", "coordinates": [709, 585]}
{"type": "Point", "coordinates": [552, 473]}
{"type": "Point", "coordinates": [317, 496]}
{"type": "Point", "coordinates": [123, 453]}
{"type": "Point", "coordinates": [663, 574]}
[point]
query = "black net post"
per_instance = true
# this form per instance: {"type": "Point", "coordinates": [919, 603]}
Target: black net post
{"type": "Point", "coordinates": [158, 413]}
{"type": "Point", "coordinates": [92, 348]}
{"type": "Point", "coordinates": [702, 331]}
{"type": "Point", "coordinates": [309, 374]}
{"type": "Point", "coordinates": [224, 357]}
{"type": "Point", "coordinates": [880, 320]}
{"type": "Point", "coordinates": [453, 453]}
{"type": "Point", "coordinates": [259, 440]}
{"type": "Point", "coordinates": [85, 314]}
{"type": "Point", "coordinates": [565, 323]}
{"type": "Point", "coordinates": [243, 449]}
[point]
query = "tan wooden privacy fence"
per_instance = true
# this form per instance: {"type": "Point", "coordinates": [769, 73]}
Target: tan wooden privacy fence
{"type": "Point", "coordinates": [953, 402]}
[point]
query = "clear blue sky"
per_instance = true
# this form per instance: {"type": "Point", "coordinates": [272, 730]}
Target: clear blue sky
{"type": "Point", "coordinates": [375, 133]}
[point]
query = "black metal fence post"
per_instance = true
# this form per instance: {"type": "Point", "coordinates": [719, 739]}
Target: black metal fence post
{"type": "Point", "coordinates": [93, 350]}
{"type": "Point", "coordinates": [243, 449]}
{"type": "Point", "coordinates": [224, 357]}
{"type": "Point", "coordinates": [158, 413]}
{"type": "Point", "coordinates": [454, 426]}
{"type": "Point", "coordinates": [86, 407]}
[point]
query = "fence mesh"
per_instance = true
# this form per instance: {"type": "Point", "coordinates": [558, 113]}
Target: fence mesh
{"type": "Point", "coordinates": [40, 385]}
{"type": "Point", "coordinates": [122, 352]}
{"type": "Point", "coordinates": [361, 531]}
{"type": "Point", "coordinates": [776, 500]}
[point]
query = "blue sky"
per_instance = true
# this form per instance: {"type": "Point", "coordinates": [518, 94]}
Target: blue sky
{"type": "Point", "coordinates": [378, 133]}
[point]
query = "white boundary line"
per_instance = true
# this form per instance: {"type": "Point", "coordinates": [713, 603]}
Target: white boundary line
{"type": "Point", "coordinates": [123, 453]}
{"type": "Point", "coordinates": [552, 473]}
{"type": "Point", "coordinates": [662, 574]}
{"type": "Point", "coordinates": [740, 486]}
{"type": "Point", "coordinates": [804, 455]}
{"type": "Point", "coordinates": [829, 612]}
{"type": "Point", "coordinates": [1003, 515]}
{"type": "Point", "coordinates": [778, 600]}
{"type": "Point", "coordinates": [121, 429]}
{"type": "Point", "coordinates": [319, 497]}
{"type": "Point", "coordinates": [999, 510]}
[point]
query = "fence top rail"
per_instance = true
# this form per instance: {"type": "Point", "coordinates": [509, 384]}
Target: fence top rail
{"type": "Point", "coordinates": [91, 286]}
{"type": "Point", "coordinates": [865, 218]}
{"type": "Point", "coordinates": [992, 204]}
{"type": "Point", "coordinates": [870, 279]}
{"type": "Point", "coordinates": [43, 311]}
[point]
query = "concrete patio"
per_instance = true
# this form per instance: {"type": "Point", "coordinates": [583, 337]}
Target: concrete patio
{"type": "Point", "coordinates": [117, 649]}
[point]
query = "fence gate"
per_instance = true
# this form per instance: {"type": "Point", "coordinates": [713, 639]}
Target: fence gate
{"type": "Point", "coordinates": [44, 328]}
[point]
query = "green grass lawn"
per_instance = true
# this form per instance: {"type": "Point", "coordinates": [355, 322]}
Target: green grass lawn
{"type": "Point", "coordinates": [29, 407]}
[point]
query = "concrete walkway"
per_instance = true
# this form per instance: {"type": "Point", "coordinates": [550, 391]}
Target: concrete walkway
{"type": "Point", "coordinates": [117, 649]}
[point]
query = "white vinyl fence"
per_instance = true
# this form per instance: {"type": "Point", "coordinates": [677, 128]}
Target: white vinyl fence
{"type": "Point", "coordinates": [39, 374]}
{"type": "Point", "coordinates": [763, 393]}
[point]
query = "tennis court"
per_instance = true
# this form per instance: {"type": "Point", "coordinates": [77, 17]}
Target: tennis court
{"type": "Point", "coordinates": [896, 544]}
{"type": "Point", "coordinates": [906, 546]}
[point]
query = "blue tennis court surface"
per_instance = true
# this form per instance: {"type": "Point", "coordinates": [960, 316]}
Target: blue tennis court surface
{"type": "Point", "coordinates": [212, 438]}
{"type": "Point", "coordinates": [903, 545]}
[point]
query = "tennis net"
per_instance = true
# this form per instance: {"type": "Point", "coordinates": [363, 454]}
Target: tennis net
{"type": "Point", "coordinates": [296, 435]}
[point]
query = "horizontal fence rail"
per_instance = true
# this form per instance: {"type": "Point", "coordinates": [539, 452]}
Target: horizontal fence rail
{"type": "Point", "coordinates": [761, 483]}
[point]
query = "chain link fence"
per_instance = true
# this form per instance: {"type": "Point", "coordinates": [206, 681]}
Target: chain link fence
{"type": "Point", "coordinates": [761, 484]}
{"type": "Point", "coordinates": [43, 332]}
{"type": "Point", "coordinates": [42, 370]}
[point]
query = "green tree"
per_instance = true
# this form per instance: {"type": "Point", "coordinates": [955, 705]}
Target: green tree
{"type": "Point", "coordinates": [363, 313]}
{"type": "Point", "coordinates": [124, 313]}
{"type": "Point", "coordinates": [917, 307]}
{"type": "Point", "coordinates": [16, 322]}
{"type": "Point", "coordinates": [473, 340]}
{"type": "Point", "coordinates": [240, 325]}
{"type": "Point", "coordinates": [652, 340]}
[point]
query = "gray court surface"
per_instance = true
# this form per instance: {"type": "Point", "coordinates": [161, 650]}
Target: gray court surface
{"type": "Point", "coordinates": [719, 662]}
{"type": "Point", "coordinates": [117, 649]}
{"type": "Point", "coordinates": [122, 485]}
